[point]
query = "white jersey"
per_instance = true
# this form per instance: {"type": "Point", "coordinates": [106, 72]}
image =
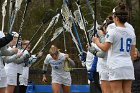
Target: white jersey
{"type": "Point", "coordinates": [57, 65]}
{"type": "Point", "coordinates": [119, 53]}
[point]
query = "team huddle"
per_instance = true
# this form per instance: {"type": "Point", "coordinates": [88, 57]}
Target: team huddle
{"type": "Point", "coordinates": [111, 54]}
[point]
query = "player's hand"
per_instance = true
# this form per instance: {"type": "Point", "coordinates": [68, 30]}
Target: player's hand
{"type": "Point", "coordinates": [19, 54]}
{"type": "Point", "coordinates": [66, 56]}
{"type": "Point", "coordinates": [95, 39]}
{"type": "Point", "coordinates": [15, 50]}
{"type": "Point", "coordinates": [44, 79]}
{"type": "Point", "coordinates": [39, 54]}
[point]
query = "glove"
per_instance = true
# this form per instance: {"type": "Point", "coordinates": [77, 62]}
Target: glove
{"type": "Point", "coordinates": [101, 54]}
{"type": "Point", "coordinates": [32, 59]}
{"type": "Point", "coordinates": [90, 75]}
{"type": "Point", "coordinates": [93, 50]}
{"type": "Point", "coordinates": [82, 56]}
{"type": "Point", "coordinates": [83, 64]}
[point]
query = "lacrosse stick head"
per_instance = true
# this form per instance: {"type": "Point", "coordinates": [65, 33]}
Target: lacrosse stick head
{"type": "Point", "coordinates": [57, 33]}
{"type": "Point", "coordinates": [67, 17]}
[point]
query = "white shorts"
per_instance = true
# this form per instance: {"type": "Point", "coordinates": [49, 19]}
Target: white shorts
{"type": "Point", "coordinates": [122, 73]}
{"type": "Point", "coordinates": [60, 80]}
{"type": "Point", "coordinates": [23, 81]}
{"type": "Point", "coordinates": [11, 80]}
{"type": "Point", "coordinates": [104, 75]}
{"type": "Point", "coordinates": [3, 82]}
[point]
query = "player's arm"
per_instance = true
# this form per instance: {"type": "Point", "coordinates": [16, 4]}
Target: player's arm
{"type": "Point", "coordinates": [44, 72]}
{"type": "Point", "coordinates": [103, 46]}
{"type": "Point", "coordinates": [44, 69]}
{"type": "Point", "coordinates": [70, 60]}
{"type": "Point", "coordinates": [132, 52]}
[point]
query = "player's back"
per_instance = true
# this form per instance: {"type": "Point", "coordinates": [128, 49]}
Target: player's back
{"type": "Point", "coordinates": [119, 53]}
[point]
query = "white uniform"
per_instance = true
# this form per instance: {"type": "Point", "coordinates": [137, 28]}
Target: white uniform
{"type": "Point", "coordinates": [119, 59]}
{"type": "Point", "coordinates": [2, 70]}
{"type": "Point", "coordinates": [58, 74]}
{"type": "Point", "coordinates": [13, 68]}
{"type": "Point", "coordinates": [102, 67]}
{"type": "Point", "coordinates": [3, 77]}
{"type": "Point", "coordinates": [23, 78]}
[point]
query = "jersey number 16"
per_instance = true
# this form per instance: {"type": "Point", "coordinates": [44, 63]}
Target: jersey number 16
{"type": "Point", "coordinates": [128, 42]}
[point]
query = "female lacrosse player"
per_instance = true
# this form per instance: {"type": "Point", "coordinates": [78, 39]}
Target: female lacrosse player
{"type": "Point", "coordinates": [120, 43]}
{"type": "Point", "coordinates": [60, 77]}
{"type": "Point", "coordinates": [136, 82]}
{"type": "Point", "coordinates": [14, 65]}
{"type": "Point", "coordinates": [4, 52]}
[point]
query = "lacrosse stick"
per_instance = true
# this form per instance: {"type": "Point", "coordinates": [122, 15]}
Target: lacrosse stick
{"type": "Point", "coordinates": [21, 25]}
{"type": "Point", "coordinates": [53, 22]}
{"type": "Point", "coordinates": [47, 17]}
{"type": "Point", "coordinates": [67, 67]}
{"type": "Point", "coordinates": [57, 32]}
{"type": "Point", "coordinates": [68, 22]}
{"type": "Point", "coordinates": [83, 22]}
{"type": "Point", "coordinates": [14, 14]}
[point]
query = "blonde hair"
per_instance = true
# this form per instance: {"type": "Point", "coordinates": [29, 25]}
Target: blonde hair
{"type": "Point", "coordinates": [54, 50]}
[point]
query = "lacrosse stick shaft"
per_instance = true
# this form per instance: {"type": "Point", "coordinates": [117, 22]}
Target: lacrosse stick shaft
{"type": "Point", "coordinates": [75, 41]}
{"type": "Point", "coordinates": [53, 38]}
{"type": "Point", "coordinates": [95, 16]}
{"type": "Point", "coordinates": [64, 41]}
{"type": "Point", "coordinates": [77, 35]}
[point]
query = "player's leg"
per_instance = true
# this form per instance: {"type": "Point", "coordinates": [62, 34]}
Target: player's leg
{"type": "Point", "coordinates": [56, 87]}
{"type": "Point", "coordinates": [66, 89]}
{"type": "Point", "coordinates": [3, 84]}
{"type": "Point", "coordinates": [105, 86]}
{"type": "Point", "coordinates": [11, 83]}
{"type": "Point", "coordinates": [2, 90]}
{"type": "Point", "coordinates": [10, 89]}
{"type": "Point", "coordinates": [116, 86]}
{"type": "Point", "coordinates": [127, 86]}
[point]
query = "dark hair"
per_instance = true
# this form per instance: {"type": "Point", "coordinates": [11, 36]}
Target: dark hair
{"type": "Point", "coordinates": [108, 21]}
{"type": "Point", "coordinates": [121, 12]}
